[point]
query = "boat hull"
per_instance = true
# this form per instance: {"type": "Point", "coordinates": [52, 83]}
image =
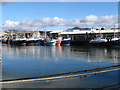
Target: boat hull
{"type": "Point", "coordinates": [65, 42]}
{"type": "Point", "coordinates": [114, 43]}
{"type": "Point", "coordinates": [4, 41]}
{"type": "Point", "coordinates": [58, 42]}
{"type": "Point", "coordinates": [99, 44]}
{"type": "Point", "coordinates": [50, 43]}
{"type": "Point", "coordinates": [29, 42]}
{"type": "Point", "coordinates": [37, 42]}
{"type": "Point", "coordinates": [107, 44]}
{"type": "Point", "coordinates": [18, 42]}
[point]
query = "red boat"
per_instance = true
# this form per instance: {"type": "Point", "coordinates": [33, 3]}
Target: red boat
{"type": "Point", "coordinates": [58, 42]}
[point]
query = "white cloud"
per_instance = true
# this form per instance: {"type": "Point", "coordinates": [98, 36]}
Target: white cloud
{"type": "Point", "coordinates": [100, 21]}
{"type": "Point", "coordinates": [91, 18]}
{"type": "Point", "coordinates": [88, 21]}
{"type": "Point", "coordinates": [11, 23]}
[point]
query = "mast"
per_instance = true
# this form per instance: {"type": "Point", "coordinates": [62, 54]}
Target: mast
{"type": "Point", "coordinates": [45, 34]}
{"type": "Point", "coordinates": [114, 30]}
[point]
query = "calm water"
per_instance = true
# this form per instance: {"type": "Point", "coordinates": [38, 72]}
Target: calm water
{"type": "Point", "coordinates": [30, 61]}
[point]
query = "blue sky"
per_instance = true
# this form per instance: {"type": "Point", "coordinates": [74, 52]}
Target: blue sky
{"type": "Point", "coordinates": [66, 10]}
{"type": "Point", "coordinates": [69, 10]}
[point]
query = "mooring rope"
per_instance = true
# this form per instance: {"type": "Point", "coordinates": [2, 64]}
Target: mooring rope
{"type": "Point", "coordinates": [62, 75]}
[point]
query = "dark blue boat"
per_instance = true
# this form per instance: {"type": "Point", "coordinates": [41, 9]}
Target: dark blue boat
{"type": "Point", "coordinates": [37, 42]}
{"type": "Point", "coordinates": [66, 42]}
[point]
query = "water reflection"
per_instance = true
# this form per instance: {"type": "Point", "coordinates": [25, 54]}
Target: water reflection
{"type": "Point", "coordinates": [27, 61]}
{"type": "Point", "coordinates": [31, 61]}
{"type": "Point", "coordinates": [89, 54]}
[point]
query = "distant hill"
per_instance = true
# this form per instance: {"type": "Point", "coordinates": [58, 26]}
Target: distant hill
{"type": "Point", "coordinates": [78, 28]}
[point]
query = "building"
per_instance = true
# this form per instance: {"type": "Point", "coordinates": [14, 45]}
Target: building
{"type": "Point", "coordinates": [86, 35]}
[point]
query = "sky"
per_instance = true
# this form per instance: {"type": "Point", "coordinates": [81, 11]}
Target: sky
{"type": "Point", "coordinates": [58, 15]}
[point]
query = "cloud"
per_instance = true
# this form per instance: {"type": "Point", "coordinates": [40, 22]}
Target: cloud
{"type": "Point", "coordinates": [91, 18]}
{"type": "Point", "coordinates": [102, 21]}
{"type": "Point", "coordinates": [11, 23]}
{"type": "Point", "coordinates": [37, 24]}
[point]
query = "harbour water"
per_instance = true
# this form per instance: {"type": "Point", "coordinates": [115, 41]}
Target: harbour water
{"type": "Point", "coordinates": [32, 61]}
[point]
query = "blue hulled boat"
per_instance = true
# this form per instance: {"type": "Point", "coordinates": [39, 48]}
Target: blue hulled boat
{"type": "Point", "coordinates": [48, 42]}
{"type": "Point", "coordinates": [66, 42]}
{"type": "Point", "coordinates": [37, 42]}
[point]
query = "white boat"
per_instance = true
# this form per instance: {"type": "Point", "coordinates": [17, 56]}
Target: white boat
{"type": "Point", "coordinates": [114, 42]}
{"type": "Point", "coordinates": [115, 39]}
{"type": "Point", "coordinates": [98, 40]}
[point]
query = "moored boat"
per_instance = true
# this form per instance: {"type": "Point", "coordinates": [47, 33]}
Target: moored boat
{"type": "Point", "coordinates": [115, 39]}
{"type": "Point", "coordinates": [37, 41]}
{"type": "Point", "coordinates": [66, 42]}
{"type": "Point", "coordinates": [30, 41]}
{"type": "Point", "coordinates": [58, 41]}
{"type": "Point", "coordinates": [4, 40]}
{"type": "Point", "coordinates": [50, 43]}
{"type": "Point", "coordinates": [114, 42]}
{"type": "Point", "coordinates": [19, 41]}
{"type": "Point", "coordinates": [99, 42]}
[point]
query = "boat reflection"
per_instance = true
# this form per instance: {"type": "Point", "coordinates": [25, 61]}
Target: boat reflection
{"type": "Point", "coordinates": [97, 54]}
{"type": "Point", "coordinates": [31, 61]}
{"type": "Point", "coordinates": [88, 54]}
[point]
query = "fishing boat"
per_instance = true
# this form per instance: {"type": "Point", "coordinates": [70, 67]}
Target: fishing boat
{"type": "Point", "coordinates": [30, 41]}
{"type": "Point", "coordinates": [50, 43]}
{"type": "Point", "coordinates": [114, 42]}
{"type": "Point", "coordinates": [98, 42]}
{"type": "Point", "coordinates": [66, 41]}
{"type": "Point", "coordinates": [4, 40]}
{"type": "Point", "coordinates": [19, 41]}
{"type": "Point", "coordinates": [38, 41]}
{"type": "Point", "coordinates": [58, 41]}
{"type": "Point", "coordinates": [47, 41]}
{"type": "Point", "coordinates": [37, 38]}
